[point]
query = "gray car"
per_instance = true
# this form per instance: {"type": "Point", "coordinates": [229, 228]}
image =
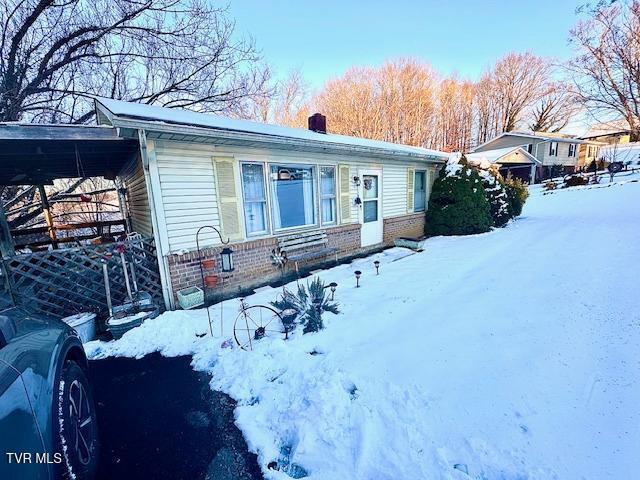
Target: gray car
{"type": "Point", "coordinates": [47, 416]}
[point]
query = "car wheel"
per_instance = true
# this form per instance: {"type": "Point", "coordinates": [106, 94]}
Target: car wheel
{"type": "Point", "coordinates": [76, 428]}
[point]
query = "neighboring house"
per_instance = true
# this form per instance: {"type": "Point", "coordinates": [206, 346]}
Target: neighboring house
{"type": "Point", "coordinates": [550, 149]}
{"type": "Point", "coordinates": [610, 133]}
{"type": "Point", "coordinates": [264, 187]}
{"type": "Point", "coordinates": [590, 153]}
{"type": "Point", "coordinates": [617, 131]}
{"type": "Point", "coordinates": [514, 161]}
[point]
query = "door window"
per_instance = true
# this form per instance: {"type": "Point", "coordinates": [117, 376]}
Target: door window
{"type": "Point", "coordinates": [370, 201]}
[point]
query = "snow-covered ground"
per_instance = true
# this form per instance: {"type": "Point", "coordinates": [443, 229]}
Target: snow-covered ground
{"type": "Point", "coordinates": [509, 355]}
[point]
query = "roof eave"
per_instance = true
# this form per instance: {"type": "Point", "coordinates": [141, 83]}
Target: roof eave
{"type": "Point", "coordinates": [238, 138]}
{"type": "Point", "coordinates": [538, 137]}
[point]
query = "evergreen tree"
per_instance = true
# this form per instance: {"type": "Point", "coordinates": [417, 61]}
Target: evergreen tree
{"type": "Point", "coordinates": [458, 205]}
{"type": "Point", "coordinates": [517, 194]}
{"type": "Point", "coordinates": [497, 197]}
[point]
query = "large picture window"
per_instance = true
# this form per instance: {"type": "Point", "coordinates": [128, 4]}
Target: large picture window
{"type": "Point", "coordinates": [328, 195]}
{"type": "Point", "coordinates": [293, 196]}
{"type": "Point", "coordinates": [255, 199]}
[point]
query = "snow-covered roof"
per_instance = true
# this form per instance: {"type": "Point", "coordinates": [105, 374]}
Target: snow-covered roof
{"type": "Point", "coordinates": [494, 156]}
{"type": "Point", "coordinates": [607, 128]}
{"type": "Point", "coordinates": [117, 109]}
{"type": "Point", "coordinates": [542, 136]}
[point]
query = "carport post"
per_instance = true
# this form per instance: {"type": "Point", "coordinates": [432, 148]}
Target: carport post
{"type": "Point", "coordinates": [48, 218]}
{"type": "Point", "coordinates": [6, 241]}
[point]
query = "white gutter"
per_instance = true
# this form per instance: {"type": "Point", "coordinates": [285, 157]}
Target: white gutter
{"type": "Point", "coordinates": [286, 142]}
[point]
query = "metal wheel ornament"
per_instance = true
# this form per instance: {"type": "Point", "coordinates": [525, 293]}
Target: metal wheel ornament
{"type": "Point", "coordinates": [255, 323]}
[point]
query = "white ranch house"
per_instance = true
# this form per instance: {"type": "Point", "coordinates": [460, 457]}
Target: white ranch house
{"type": "Point", "coordinates": [317, 196]}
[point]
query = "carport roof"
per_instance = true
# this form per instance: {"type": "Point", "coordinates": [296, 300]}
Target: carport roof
{"type": "Point", "coordinates": [36, 154]}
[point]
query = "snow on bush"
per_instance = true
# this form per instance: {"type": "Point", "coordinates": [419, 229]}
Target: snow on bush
{"type": "Point", "coordinates": [496, 195]}
{"type": "Point", "coordinates": [457, 205]}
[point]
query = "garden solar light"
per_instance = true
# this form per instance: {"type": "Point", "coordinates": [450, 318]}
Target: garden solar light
{"type": "Point", "coordinates": [358, 273]}
{"type": "Point", "coordinates": [333, 286]}
{"type": "Point", "coordinates": [377, 265]}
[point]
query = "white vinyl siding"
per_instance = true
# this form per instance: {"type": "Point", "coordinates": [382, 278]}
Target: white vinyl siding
{"type": "Point", "coordinates": [189, 196]}
{"type": "Point", "coordinates": [137, 199]}
{"type": "Point", "coordinates": [188, 188]}
{"type": "Point", "coordinates": [394, 190]}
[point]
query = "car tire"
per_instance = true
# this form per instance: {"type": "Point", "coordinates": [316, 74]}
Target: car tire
{"type": "Point", "coordinates": [75, 426]}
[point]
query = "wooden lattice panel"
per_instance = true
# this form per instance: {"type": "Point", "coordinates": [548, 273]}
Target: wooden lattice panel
{"type": "Point", "coordinates": [68, 281]}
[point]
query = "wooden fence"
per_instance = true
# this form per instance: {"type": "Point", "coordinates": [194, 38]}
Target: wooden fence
{"type": "Point", "coordinates": [68, 281]}
{"type": "Point", "coordinates": [35, 237]}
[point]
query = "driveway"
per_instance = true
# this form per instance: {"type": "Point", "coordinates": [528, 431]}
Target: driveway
{"type": "Point", "coordinates": [159, 419]}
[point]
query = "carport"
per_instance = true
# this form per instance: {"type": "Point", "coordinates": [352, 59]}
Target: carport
{"type": "Point", "coordinates": [55, 267]}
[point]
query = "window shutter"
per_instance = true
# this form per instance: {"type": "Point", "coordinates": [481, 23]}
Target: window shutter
{"type": "Point", "coordinates": [228, 198]}
{"type": "Point", "coordinates": [433, 173]}
{"type": "Point", "coordinates": [410, 185]}
{"type": "Point", "coordinates": [345, 197]}
{"type": "Point", "coordinates": [431, 176]}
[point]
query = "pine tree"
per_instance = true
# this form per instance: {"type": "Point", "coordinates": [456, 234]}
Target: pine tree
{"type": "Point", "coordinates": [458, 205]}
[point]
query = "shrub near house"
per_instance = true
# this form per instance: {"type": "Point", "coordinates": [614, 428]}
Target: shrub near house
{"type": "Point", "coordinates": [465, 201]}
{"type": "Point", "coordinates": [517, 193]}
{"type": "Point", "coordinates": [458, 205]}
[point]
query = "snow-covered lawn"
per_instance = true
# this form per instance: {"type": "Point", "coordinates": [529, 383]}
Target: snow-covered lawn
{"type": "Point", "coordinates": [508, 355]}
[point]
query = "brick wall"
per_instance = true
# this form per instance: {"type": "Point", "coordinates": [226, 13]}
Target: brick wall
{"type": "Point", "coordinates": [252, 259]}
{"type": "Point", "coordinates": [411, 226]}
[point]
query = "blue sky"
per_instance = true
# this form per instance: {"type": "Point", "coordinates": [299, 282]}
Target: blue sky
{"type": "Point", "coordinates": [324, 37]}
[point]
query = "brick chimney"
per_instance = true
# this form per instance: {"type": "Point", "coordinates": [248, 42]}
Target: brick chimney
{"type": "Point", "coordinates": [318, 123]}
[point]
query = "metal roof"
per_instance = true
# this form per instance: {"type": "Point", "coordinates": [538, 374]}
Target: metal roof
{"type": "Point", "coordinates": [222, 130]}
{"type": "Point", "coordinates": [32, 154]}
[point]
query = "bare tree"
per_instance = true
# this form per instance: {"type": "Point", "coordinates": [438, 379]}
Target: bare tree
{"type": "Point", "coordinates": [487, 109]}
{"type": "Point", "coordinates": [395, 102]}
{"type": "Point", "coordinates": [455, 113]}
{"type": "Point", "coordinates": [554, 109]}
{"type": "Point", "coordinates": [607, 67]}
{"type": "Point", "coordinates": [518, 80]}
{"type": "Point", "coordinates": [283, 103]}
{"type": "Point", "coordinates": [175, 53]}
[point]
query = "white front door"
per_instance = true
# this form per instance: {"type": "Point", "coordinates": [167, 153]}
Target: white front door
{"type": "Point", "coordinates": [371, 188]}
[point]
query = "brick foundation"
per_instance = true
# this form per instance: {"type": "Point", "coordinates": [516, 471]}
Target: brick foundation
{"type": "Point", "coordinates": [411, 226]}
{"type": "Point", "coordinates": [252, 259]}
